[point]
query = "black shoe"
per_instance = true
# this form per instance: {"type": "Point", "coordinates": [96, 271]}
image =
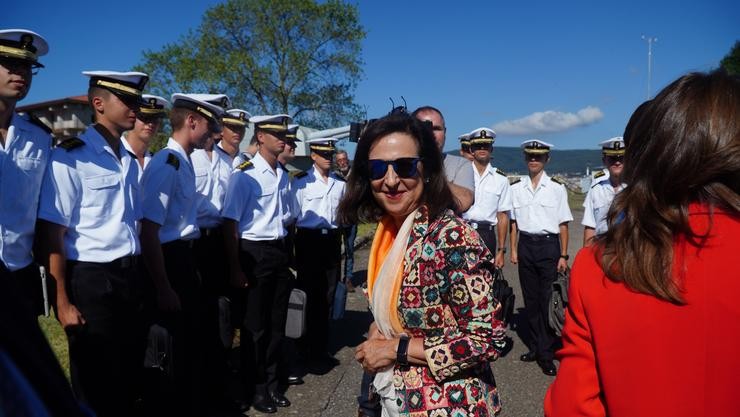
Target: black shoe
{"type": "Point", "coordinates": [528, 357]}
{"type": "Point", "coordinates": [264, 405]}
{"type": "Point", "coordinates": [294, 380]}
{"type": "Point", "coordinates": [548, 367]}
{"type": "Point", "coordinates": [280, 399]}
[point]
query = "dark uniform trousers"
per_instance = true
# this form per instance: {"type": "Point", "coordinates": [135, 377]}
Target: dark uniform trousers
{"type": "Point", "coordinates": [318, 258]}
{"type": "Point", "coordinates": [211, 263]}
{"type": "Point", "coordinates": [184, 396]}
{"type": "Point", "coordinates": [107, 352]}
{"type": "Point", "coordinates": [27, 287]}
{"type": "Point", "coordinates": [538, 260]}
{"type": "Point", "coordinates": [265, 264]}
{"type": "Point", "coordinates": [487, 232]}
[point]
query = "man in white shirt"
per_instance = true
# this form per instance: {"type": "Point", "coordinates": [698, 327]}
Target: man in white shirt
{"type": "Point", "coordinates": [604, 187]}
{"type": "Point", "coordinates": [148, 122]}
{"type": "Point", "coordinates": [489, 215]}
{"type": "Point", "coordinates": [539, 245]}
{"type": "Point", "coordinates": [256, 208]}
{"type": "Point", "coordinates": [25, 146]}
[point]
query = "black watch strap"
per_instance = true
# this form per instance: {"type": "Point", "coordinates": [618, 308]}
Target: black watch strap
{"type": "Point", "coordinates": [566, 257]}
{"type": "Point", "coordinates": [402, 352]}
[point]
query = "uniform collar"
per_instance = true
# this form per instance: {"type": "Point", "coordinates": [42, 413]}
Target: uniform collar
{"type": "Point", "coordinates": [544, 180]}
{"type": "Point", "coordinates": [96, 140]}
{"type": "Point", "coordinates": [262, 165]}
{"type": "Point", "coordinates": [172, 144]}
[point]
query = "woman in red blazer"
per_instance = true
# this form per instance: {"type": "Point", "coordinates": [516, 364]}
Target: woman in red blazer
{"type": "Point", "coordinates": [658, 334]}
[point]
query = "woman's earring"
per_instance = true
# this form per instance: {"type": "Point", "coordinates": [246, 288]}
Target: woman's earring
{"type": "Point", "coordinates": [426, 180]}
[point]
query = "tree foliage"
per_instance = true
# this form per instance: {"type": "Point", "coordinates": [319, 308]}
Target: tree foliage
{"type": "Point", "coordinates": [731, 61]}
{"type": "Point", "coordinates": [298, 57]}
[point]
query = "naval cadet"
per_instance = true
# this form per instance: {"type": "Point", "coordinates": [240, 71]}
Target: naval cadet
{"type": "Point", "coordinates": [539, 245]}
{"type": "Point", "coordinates": [318, 244]}
{"type": "Point", "coordinates": [235, 122]}
{"type": "Point", "coordinates": [489, 214]}
{"type": "Point", "coordinates": [604, 186]}
{"type": "Point", "coordinates": [148, 122]}
{"type": "Point", "coordinates": [25, 146]}
{"type": "Point", "coordinates": [88, 216]}
{"type": "Point", "coordinates": [256, 207]}
{"type": "Point", "coordinates": [169, 230]}
{"type": "Point", "coordinates": [465, 147]}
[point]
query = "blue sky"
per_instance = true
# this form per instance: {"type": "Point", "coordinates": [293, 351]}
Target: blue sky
{"type": "Point", "coordinates": [566, 72]}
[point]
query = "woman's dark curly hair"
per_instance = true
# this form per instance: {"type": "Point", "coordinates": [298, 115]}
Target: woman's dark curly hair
{"type": "Point", "coordinates": [358, 204]}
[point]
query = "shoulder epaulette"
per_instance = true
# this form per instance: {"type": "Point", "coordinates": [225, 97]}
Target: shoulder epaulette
{"type": "Point", "coordinates": [245, 165]}
{"type": "Point", "coordinates": [515, 181]}
{"type": "Point", "coordinates": [558, 180]}
{"type": "Point", "coordinates": [498, 171]}
{"type": "Point", "coordinates": [173, 160]}
{"type": "Point", "coordinates": [71, 143]}
{"type": "Point", "coordinates": [35, 121]}
{"type": "Point", "coordinates": [599, 174]}
{"type": "Point", "coordinates": [300, 174]}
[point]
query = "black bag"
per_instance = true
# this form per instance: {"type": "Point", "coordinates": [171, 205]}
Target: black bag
{"type": "Point", "coordinates": [558, 301]}
{"type": "Point", "coordinates": [503, 292]}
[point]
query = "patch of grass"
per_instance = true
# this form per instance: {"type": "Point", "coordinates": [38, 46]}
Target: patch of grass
{"type": "Point", "coordinates": [365, 229]}
{"type": "Point", "coordinates": [57, 339]}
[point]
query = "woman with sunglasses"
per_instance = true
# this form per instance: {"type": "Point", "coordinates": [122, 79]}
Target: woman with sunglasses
{"type": "Point", "coordinates": [653, 323]}
{"type": "Point", "coordinates": [605, 185]}
{"type": "Point", "coordinates": [429, 279]}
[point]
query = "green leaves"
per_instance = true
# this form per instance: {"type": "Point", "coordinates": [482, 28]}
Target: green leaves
{"type": "Point", "coordinates": [270, 56]}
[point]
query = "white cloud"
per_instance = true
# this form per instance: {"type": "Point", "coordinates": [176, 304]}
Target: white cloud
{"type": "Point", "coordinates": [549, 121]}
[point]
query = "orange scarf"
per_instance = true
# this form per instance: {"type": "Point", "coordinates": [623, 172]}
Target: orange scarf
{"type": "Point", "coordinates": [385, 236]}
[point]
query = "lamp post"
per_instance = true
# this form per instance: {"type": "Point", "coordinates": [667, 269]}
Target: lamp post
{"type": "Point", "coordinates": [650, 41]}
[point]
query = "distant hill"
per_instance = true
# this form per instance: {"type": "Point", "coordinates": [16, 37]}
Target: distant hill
{"type": "Point", "coordinates": [568, 162]}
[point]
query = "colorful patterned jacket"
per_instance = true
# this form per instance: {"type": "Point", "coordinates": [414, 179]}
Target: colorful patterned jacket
{"type": "Point", "coordinates": [446, 298]}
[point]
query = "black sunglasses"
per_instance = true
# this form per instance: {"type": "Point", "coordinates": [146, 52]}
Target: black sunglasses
{"type": "Point", "coordinates": [612, 159]}
{"type": "Point", "coordinates": [480, 146]}
{"type": "Point", "coordinates": [403, 167]}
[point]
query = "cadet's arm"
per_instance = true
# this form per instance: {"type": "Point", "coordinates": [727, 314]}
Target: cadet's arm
{"type": "Point", "coordinates": [151, 250]}
{"type": "Point", "coordinates": [463, 197]}
{"type": "Point", "coordinates": [588, 235]}
{"type": "Point", "coordinates": [231, 244]}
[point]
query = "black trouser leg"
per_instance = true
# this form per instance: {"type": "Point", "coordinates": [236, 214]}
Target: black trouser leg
{"type": "Point", "coordinates": [266, 268]}
{"type": "Point", "coordinates": [537, 270]}
{"type": "Point", "coordinates": [106, 353]}
{"type": "Point", "coordinates": [185, 327]}
{"type": "Point", "coordinates": [489, 238]}
{"type": "Point", "coordinates": [319, 270]}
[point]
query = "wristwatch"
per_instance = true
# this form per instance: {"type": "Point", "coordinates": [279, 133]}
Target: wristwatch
{"type": "Point", "coordinates": [566, 257]}
{"type": "Point", "coordinates": [501, 250]}
{"type": "Point", "coordinates": [402, 352]}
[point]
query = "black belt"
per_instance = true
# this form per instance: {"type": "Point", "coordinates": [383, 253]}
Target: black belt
{"type": "Point", "coordinates": [214, 231]}
{"type": "Point", "coordinates": [482, 225]}
{"type": "Point", "coordinates": [244, 244]}
{"type": "Point", "coordinates": [319, 232]}
{"type": "Point", "coordinates": [125, 262]}
{"type": "Point", "coordinates": [536, 238]}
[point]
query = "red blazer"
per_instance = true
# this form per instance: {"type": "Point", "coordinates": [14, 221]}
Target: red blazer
{"type": "Point", "coordinates": [628, 355]}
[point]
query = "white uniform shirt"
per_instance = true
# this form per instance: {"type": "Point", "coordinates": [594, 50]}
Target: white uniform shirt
{"type": "Point", "coordinates": [315, 201]}
{"type": "Point", "coordinates": [539, 211]}
{"type": "Point", "coordinates": [258, 199]}
{"type": "Point", "coordinates": [492, 196]}
{"type": "Point", "coordinates": [458, 171]}
{"type": "Point", "coordinates": [147, 156]}
{"type": "Point", "coordinates": [23, 161]}
{"type": "Point", "coordinates": [211, 179]}
{"type": "Point", "coordinates": [169, 193]}
{"type": "Point", "coordinates": [92, 193]}
{"type": "Point", "coordinates": [597, 202]}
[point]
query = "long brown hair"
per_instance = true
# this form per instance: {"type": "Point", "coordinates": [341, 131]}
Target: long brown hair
{"type": "Point", "coordinates": [358, 204]}
{"type": "Point", "coordinates": [681, 147]}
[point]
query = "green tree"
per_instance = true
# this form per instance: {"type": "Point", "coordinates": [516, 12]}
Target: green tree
{"type": "Point", "coordinates": [731, 61]}
{"type": "Point", "coordinates": [298, 57]}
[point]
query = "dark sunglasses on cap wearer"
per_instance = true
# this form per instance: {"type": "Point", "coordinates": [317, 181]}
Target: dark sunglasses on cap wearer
{"type": "Point", "coordinates": [403, 167]}
{"type": "Point", "coordinates": [480, 147]}
{"type": "Point", "coordinates": [19, 65]}
{"type": "Point", "coordinates": [149, 118]}
{"type": "Point", "coordinates": [536, 156]}
{"type": "Point", "coordinates": [613, 159]}
{"type": "Point", "coordinates": [324, 154]}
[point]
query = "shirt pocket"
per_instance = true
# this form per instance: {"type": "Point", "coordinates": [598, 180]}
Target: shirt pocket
{"type": "Point", "coordinates": [100, 190]}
